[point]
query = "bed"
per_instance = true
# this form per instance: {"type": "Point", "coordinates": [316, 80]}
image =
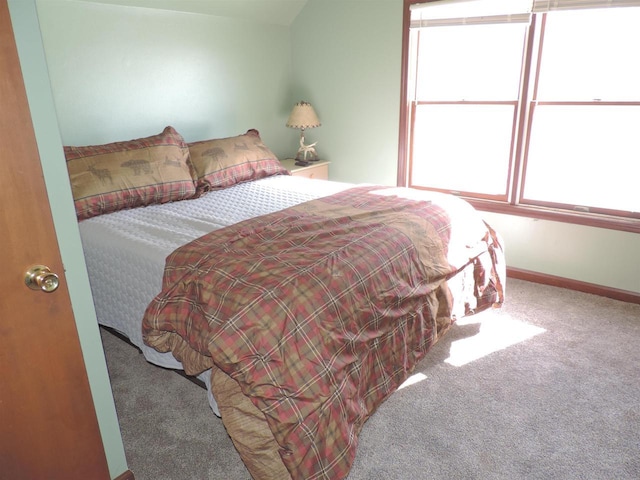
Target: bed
{"type": "Point", "coordinates": [301, 304]}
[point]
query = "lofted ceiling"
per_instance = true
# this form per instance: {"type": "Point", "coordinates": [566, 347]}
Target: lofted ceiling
{"type": "Point", "coordinates": [277, 12]}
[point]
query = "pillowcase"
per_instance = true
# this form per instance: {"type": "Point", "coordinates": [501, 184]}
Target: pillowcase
{"type": "Point", "coordinates": [111, 177]}
{"type": "Point", "coordinates": [223, 162]}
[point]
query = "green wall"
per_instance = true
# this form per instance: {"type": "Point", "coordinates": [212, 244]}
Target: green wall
{"type": "Point", "coordinates": [346, 58]}
{"type": "Point", "coordinates": [124, 72]}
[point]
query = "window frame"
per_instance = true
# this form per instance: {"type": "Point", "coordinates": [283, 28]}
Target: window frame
{"type": "Point", "coordinates": [511, 205]}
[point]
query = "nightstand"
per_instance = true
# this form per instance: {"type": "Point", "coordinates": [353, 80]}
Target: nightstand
{"type": "Point", "coordinates": [318, 170]}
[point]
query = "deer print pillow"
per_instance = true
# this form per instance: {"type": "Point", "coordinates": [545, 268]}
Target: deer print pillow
{"type": "Point", "coordinates": [223, 162]}
{"type": "Point", "coordinates": [119, 175]}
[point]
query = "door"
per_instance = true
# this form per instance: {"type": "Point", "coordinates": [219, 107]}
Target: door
{"type": "Point", "coordinates": [48, 426]}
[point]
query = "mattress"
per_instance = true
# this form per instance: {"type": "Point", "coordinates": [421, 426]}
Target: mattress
{"type": "Point", "coordinates": [125, 251]}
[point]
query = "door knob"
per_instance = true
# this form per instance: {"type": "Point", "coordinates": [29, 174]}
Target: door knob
{"type": "Point", "coordinates": [40, 277]}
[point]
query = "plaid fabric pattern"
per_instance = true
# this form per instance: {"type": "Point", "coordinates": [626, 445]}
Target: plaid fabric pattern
{"type": "Point", "coordinates": [168, 137]}
{"type": "Point", "coordinates": [110, 177]}
{"type": "Point", "coordinates": [244, 172]}
{"type": "Point", "coordinates": [319, 311]}
{"type": "Point", "coordinates": [223, 162]}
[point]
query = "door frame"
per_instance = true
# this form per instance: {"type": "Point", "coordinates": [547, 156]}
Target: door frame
{"type": "Point", "coordinates": [24, 19]}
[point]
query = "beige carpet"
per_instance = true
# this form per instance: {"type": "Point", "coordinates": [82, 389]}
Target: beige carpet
{"type": "Point", "coordinates": [548, 387]}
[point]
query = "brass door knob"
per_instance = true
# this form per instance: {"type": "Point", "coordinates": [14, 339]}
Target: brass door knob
{"type": "Point", "coordinates": [40, 277]}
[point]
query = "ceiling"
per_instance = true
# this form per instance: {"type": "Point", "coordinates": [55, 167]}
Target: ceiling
{"type": "Point", "coordinates": [277, 12]}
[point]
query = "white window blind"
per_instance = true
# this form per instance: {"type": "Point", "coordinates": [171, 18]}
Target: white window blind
{"type": "Point", "coordinates": [541, 6]}
{"type": "Point", "coordinates": [469, 12]}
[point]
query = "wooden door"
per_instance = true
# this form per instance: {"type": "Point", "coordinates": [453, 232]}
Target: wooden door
{"type": "Point", "coordinates": [48, 425]}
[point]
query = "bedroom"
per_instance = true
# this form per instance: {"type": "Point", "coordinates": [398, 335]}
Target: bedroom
{"type": "Point", "coordinates": [105, 62]}
{"type": "Point", "coordinates": [121, 75]}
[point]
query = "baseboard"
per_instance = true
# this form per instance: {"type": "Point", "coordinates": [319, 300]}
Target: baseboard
{"type": "Point", "coordinates": [128, 475]}
{"type": "Point", "coordinates": [536, 277]}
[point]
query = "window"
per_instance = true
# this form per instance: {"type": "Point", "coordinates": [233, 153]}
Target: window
{"type": "Point", "coordinates": [534, 109]}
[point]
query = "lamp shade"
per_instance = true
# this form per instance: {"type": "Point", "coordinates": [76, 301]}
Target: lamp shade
{"type": "Point", "coordinates": [303, 116]}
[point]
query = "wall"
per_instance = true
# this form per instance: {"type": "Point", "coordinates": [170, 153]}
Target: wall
{"type": "Point", "coordinates": [124, 72]}
{"type": "Point", "coordinates": [592, 255]}
{"type": "Point", "coordinates": [32, 60]}
{"type": "Point", "coordinates": [346, 55]}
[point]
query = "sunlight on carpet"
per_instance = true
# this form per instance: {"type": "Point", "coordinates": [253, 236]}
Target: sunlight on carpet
{"type": "Point", "coordinates": [497, 332]}
{"type": "Point", "coordinates": [418, 377]}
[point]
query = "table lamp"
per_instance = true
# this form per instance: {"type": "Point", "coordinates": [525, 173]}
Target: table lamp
{"type": "Point", "coordinates": [303, 116]}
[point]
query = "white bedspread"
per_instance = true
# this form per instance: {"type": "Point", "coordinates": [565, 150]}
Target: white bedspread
{"type": "Point", "coordinates": [125, 251]}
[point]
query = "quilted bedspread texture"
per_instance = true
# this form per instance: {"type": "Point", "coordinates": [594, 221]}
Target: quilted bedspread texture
{"type": "Point", "coordinates": [319, 311]}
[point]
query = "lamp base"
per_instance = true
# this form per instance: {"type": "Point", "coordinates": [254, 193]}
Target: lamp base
{"type": "Point", "coordinates": [307, 154]}
{"type": "Point", "coordinates": [301, 157]}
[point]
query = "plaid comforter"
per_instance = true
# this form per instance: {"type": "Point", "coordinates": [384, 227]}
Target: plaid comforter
{"type": "Point", "coordinates": [321, 311]}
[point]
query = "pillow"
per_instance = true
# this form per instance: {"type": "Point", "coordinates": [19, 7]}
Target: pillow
{"type": "Point", "coordinates": [223, 162]}
{"type": "Point", "coordinates": [119, 175]}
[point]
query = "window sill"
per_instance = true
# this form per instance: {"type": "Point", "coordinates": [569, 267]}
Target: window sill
{"type": "Point", "coordinates": [557, 215]}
